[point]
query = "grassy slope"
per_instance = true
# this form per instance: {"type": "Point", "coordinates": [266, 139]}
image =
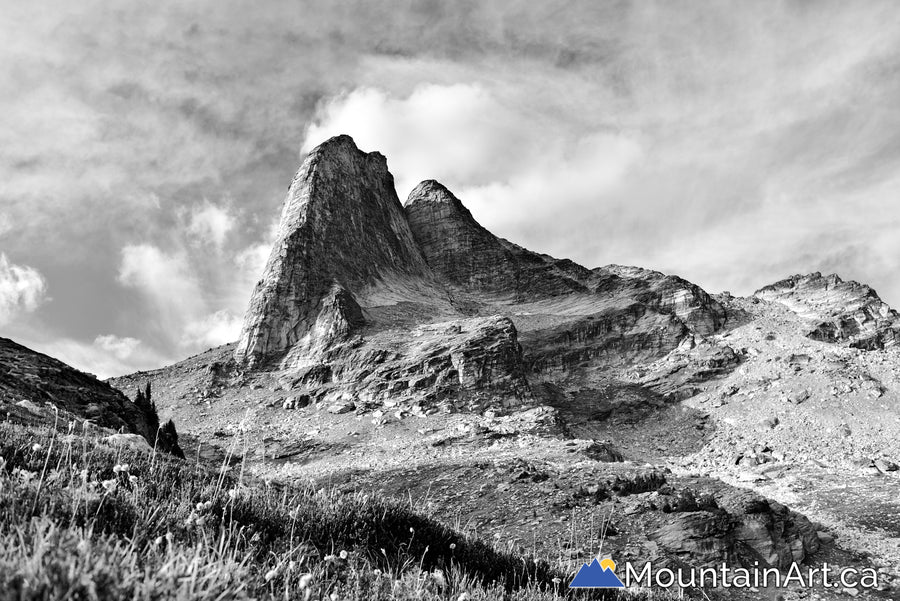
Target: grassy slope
{"type": "Point", "coordinates": [79, 520]}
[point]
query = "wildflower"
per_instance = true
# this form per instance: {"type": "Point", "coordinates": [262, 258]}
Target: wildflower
{"type": "Point", "coordinates": [169, 537]}
{"type": "Point", "coordinates": [463, 597]}
{"type": "Point", "coordinates": [343, 554]}
{"type": "Point", "coordinates": [334, 597]}
{"type": "Point", "coordinates": [158, 541]}
{"type": "Point", "coordinates": [83, 546]}
{"type": "Point", "coordinates": [201, 521]}
{"type": "Point", "coordinates": [557, 580]}
{"type": "Point", "coordinates": [377, 572]}
{"type": "Point", "coordinates": [304, 581]}
{"type": "Point", "coordinates": [271, 574]}
{"type": "Point", "coordinates": [109, 485]}
{"type": "Point", "coordinates": [233, 493]}
{"type": "Point", "coordinates": [24, 476]}
{"type": "Point", "coordinates": [132, 478]}
{"type": "Point", "coordinates": [36, 447]}
{"type": "Point", "coordinates": [438, 576]}
{"type": "Point", "coordinates": [121, 468]}
{"type": "Point", "coordinates": [330, 557]}
{"type": "Point", "coordinates": [412, 530]}
{"type": "Point", "coordinates": [452, 546]}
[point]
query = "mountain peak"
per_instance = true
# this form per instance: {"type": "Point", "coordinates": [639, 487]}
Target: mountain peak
{"type": "Point", "coordinates": [454, 244]}
{"type": "Point", "coordinates": [342, 224]}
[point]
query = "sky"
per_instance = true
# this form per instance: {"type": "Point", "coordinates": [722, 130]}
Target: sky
{"type": "Point", "coordinates": [146, 147]}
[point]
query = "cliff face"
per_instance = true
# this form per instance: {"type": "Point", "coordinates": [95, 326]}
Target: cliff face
{"type": "Point", "coordinates": [464, 254]}
{"type": "Point", "coordinates": [671, 295]}
{"type": "Point", "coordinates": [342, 235]}
{"type": "Point", "coordinates": [837, 310]}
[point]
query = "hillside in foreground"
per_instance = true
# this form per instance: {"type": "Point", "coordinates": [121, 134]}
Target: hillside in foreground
{"type": "Point", "coordinates": [82, 520]}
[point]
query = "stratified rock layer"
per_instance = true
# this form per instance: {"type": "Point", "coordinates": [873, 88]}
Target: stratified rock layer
{"type": "Point", "coordinates": [341, 225]}
{"type": "Point", "coordinates": [837, 310]}
{"type": "Point", "coordinates": [460, 361]}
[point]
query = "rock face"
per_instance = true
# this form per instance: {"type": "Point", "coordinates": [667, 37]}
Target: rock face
{"type": "Point", "coordinates": [32, 384]}
{"type": "Point", "coordinates": [671, 295]}
{"type": "Point", "coordinates": [837, 310]}
{"type": "Point", "coordinates": [466, 361]}
{"type": "Point", "coordinates": [342, 227]}
{"type": "Point", "coordinates": [464, 254]}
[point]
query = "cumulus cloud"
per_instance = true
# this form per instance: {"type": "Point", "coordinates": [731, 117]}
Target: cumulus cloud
{"type": "Point", "coordinates": [22, 289]}
{"type": "Point", "coordinates": [119, 347]}
{"type": "Point", "coordinates": [458, 132]}
{"type": "Point", "coordinates": [216, 329]}
{"type": "Point", "coordinates": [517, 169]}
{"type": "Point", "coordinates": [210, 224]}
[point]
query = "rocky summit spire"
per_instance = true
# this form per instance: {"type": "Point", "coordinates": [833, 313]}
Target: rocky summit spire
{"type": "Point", "coordinates": [342, 232]}
{"type": "Point", "coordinates": [463, 253]}
{"type": "Point", "coordinates": [456, 246]}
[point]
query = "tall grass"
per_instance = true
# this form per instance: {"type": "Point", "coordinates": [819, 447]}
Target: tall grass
{"type": "Point", "coordinates": [80, 520]}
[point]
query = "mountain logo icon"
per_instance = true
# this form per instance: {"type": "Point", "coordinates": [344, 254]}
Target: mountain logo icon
{"type": "Point", "coordinates": [597, 574]}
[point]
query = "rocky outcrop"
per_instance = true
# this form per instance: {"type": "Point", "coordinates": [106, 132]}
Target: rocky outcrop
{"type": "Point", "coordinates": [614, 337]}
{"type": "Point", "coordinates": [837, 310]}
{"type": "Point", "coordinates": [337, 317]}
{"type": "Point", "coordinates": [463, 253]}
{"type": "Point", "coordinates": [668, 294]}
{"type": "Point", "coordinates": [460, 362]}
{"type": "Point", "coordinates": [680, 374]}
{"type": "Point", "coordinates": [342, 225]}
{"type": "Point", "coordinates": [33, 387]}
{"type": "Point", "coordinates": [746, 530]}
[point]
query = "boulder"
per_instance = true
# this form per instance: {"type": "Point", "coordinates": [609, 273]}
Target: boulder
{"type": "Point", "coordinates": [341, 407]}
{"type": "Point", "coordinates": [132, 441]}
